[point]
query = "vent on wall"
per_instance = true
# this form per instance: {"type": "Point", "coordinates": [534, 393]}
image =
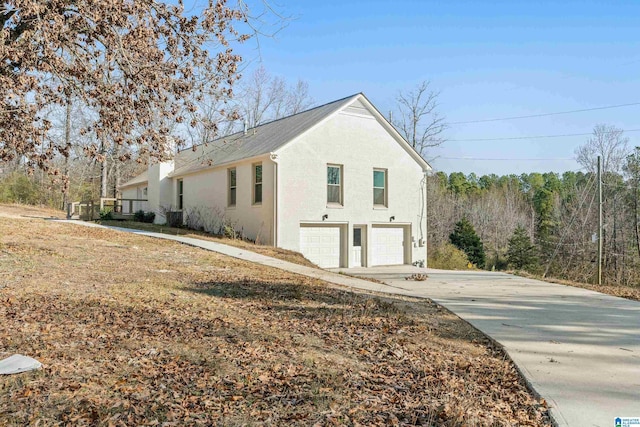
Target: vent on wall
{"type": "Point", "coordinates": [357, 108]}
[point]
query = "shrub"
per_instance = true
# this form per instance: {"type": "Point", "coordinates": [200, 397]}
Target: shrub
{"type": "Point", "coordinates": [448, 257]}
{"type": "Point", "coordinates": [106, 214]}
{"type": "Point", "coordinates": [149, 217]}
{"type": "Point", "coordinates": [139, 216]}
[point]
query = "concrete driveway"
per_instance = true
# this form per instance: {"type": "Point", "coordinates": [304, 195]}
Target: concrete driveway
{"type": "Point", "coordinates": [579, 349]}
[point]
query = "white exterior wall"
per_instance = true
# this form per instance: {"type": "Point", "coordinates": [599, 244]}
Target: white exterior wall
{"type": "Point", "coordinates": [160, 190]}
{"type": "Point", "coordinates": [359, 143]}
{"type": "Point", "coordinates": [206, 193]}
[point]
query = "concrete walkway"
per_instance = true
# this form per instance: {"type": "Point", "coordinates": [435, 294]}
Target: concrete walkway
{"type": "Point", "coordinates": [579, 349]}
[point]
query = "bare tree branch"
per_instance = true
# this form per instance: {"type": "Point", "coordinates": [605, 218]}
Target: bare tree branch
{"type": "Point", "coordinates": [418, 119]}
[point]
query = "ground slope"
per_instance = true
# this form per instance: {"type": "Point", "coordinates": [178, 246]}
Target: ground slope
{"type": "Point", "coordinates": [138, 331]}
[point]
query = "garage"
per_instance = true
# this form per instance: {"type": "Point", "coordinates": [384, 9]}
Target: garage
{"type": "Point", "coordinates": [387, 245]}
{"type": "Point", "coordinates": [321, 245]}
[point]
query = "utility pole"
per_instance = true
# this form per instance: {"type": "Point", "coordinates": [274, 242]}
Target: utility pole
{"type": "Point", "coordinates": [599, 221]}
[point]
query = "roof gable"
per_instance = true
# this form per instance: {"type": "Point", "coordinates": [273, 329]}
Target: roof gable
{"type": "Point", "coordinates": [359, 105]}
{"type": "Point", "coordinates": [272, 136]}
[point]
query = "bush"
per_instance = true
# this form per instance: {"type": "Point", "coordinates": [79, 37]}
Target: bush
{"type": "Point", "coordinates": [139, 216]}
{"type": "Point", "coordinates": [448, 257]}
{"type": "Point", "coordinates": [149, 217]}
{"type": "Point", "coordinates": [106, 214]}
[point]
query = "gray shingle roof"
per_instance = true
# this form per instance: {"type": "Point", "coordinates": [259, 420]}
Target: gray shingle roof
{"type": "Point", "coordinates": [260, 140]}
{"type": "Point", "coordinates": [140, 179]}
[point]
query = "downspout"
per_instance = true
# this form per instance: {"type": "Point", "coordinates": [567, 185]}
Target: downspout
{"type": "Point", "coordinates": [274, 159]}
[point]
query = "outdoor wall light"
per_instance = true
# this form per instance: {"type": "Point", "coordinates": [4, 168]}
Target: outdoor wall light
{"type": "Point", "coordinates": [393, 218]}
{"type": "Point", "coordinates": [325, 216]}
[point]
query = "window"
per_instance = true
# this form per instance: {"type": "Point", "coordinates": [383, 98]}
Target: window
{"type": "Point", "coordinates": [232, 187]}
{"type": "Point", "coordinates": [180, 194]}
{"type": "Point", "coordinates": [357, 237]}
{"type": "Point", "coordinates": [334, 184]}
{"type": "Point", "coordinates": [379, 187]}
{"type": "Point", "coordinates": [257, 184]}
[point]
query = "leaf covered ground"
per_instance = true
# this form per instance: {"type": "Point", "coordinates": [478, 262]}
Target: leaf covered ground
{"type": "Point", "coordinates": [138, 331]}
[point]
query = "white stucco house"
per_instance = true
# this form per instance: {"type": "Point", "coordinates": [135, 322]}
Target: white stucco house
{"type": "Point", "coordinates": [336, 182]}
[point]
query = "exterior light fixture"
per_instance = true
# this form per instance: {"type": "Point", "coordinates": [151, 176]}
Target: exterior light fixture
{"type": "Point", "coordinates": [325, 216]}
{"type": "Point", "coordinates": [393, 218]}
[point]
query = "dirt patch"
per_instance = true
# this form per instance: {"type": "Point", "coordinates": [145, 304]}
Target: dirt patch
{"type": "Point", "coordinates": [138, 331]}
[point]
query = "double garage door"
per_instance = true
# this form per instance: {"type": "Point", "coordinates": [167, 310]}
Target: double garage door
{"type": "Point", "coordinates": [322, 245]}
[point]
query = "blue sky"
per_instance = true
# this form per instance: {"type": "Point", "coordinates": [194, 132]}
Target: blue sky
{"type": "Point", "coordinates": [488, 59]}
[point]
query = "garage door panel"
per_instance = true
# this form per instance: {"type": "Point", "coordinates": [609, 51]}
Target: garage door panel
{"type": "Point", "coordinates": [387, 245]}
{"type": "Point", "coordinates": [321, 245]}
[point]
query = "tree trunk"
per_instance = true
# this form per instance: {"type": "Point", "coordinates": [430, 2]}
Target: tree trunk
{"type": "Point", "coordinates": [67, 141]}
{"type": "Point", "coordinates": [103, 170]}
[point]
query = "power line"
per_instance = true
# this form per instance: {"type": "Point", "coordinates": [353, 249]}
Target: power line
{"type": "Point", "coordinates": [565, 135]}
{"type": "Point", "coordinates": [505, 159]}
{"type": "Point", "coordinates": [545, 114]}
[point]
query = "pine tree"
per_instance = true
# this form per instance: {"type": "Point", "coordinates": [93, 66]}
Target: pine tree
{"type": "Point", "coordinates": [464, 237]}
{"type": "Point", "coordinates": [521, 253]}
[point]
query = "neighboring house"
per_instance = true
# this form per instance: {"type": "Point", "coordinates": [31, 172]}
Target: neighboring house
{"type": "Point", "coordinates": [336, 182]}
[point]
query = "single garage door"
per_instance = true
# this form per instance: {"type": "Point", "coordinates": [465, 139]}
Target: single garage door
{"type": "Point", "coordinates": [387, 245]}
{"type": "Point", "coordinates": [321, 245]}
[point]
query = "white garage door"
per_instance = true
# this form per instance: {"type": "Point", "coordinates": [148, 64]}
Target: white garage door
{"type": "Point", "coordinates": [321, 245]}
{"type": "Point", "coordinates": [387, 245]}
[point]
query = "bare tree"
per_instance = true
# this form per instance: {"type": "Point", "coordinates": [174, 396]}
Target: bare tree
{"type": "Point", "coordinates": [264, 97]}
{"type": "Point", "coordinates": [607, 142]}
{"type": "Point", "coordinates": [418, 119]}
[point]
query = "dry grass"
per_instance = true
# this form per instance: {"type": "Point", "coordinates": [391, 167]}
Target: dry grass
{"type": "Point", "coordinates": [283, 254]}
{"type": "Point", "coordinates": [139, 331]}
{"type": "Point", "coordinates": [26, 211]}
{"type": "Point", "coordinates": [622, 291]}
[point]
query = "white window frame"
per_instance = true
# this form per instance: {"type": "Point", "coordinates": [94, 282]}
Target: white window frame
{"type": "Point", "coordinates": [255, 184]}
{"type": "Point", "coordinates": [340, 185]}
{"type": "Point", "coordinates": [232, 188]}
{"type": "Point", "coordinates": [385, 189]}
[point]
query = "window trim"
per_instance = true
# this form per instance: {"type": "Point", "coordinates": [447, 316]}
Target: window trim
{"type": "Point", "coordinates": [385, 189]}
{"type": "Point", "coordinates": [231, 187]}
{"type": "Point", "coordinates": [340, 184]}
{"type": "Point", "coordinates": [254, 184]}
{"type": "Point", "coordinates": [180, 193]}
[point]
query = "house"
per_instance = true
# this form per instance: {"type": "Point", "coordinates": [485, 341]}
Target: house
{"type": "Point", "coordinates": [336, 182]}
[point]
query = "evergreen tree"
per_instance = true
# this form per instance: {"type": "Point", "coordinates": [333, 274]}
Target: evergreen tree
{"type": "Point", "coordinates": [521, 253]}
{"type": "Point", "coordinates": [465, 238]}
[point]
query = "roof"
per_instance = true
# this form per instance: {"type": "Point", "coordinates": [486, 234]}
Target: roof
{"type": "Point", "coordinates": [140, 179]}
{"type": "Point", "coordinates": [262, 139]}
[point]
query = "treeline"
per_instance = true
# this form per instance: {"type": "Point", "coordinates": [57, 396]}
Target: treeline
{"type": "Point", "coordinates": [545, 223]}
